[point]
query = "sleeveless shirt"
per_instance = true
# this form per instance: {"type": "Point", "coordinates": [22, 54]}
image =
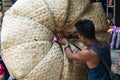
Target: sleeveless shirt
{"type": "Point", "coordinates": [100, 72]}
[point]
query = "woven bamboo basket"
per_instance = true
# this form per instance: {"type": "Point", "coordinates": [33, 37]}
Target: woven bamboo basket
{"type": "Point", "coordinates": [74, 70]}
{"type": "Point", "coordinates": [36, 10]}
{"type": "Point", "coordinates": [77, 7]}
{"type": "Point", "coordinates": [50, 67]}
{"type": "Point", "coordinates": [103, 36]}
{"type": "Point", "coordinates": [25, 57]}
{"type": "Point", "coordinates": [97, 15]}
{"type": "Point", "coordinates": [29, 25]}
{"type": "Point", "coordinates": [59, 10]}
{"type": "Point", "coordinates": [20, 30]}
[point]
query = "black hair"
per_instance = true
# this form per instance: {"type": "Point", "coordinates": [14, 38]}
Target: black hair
{"type": "Point", "coordinates": [86, 28]}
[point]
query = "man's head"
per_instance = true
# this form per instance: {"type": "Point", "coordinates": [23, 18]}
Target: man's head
{"type": "Point", "coordinates": [86, 29]}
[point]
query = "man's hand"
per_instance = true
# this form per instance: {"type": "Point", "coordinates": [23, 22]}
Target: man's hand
{"type": "Point", "coordinates": [62, 40]}
{"type": "Point", "coordinates": [70, 33]}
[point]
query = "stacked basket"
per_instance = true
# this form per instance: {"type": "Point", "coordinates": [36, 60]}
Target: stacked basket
{"type": "Point", "coordinates": [27, 32]}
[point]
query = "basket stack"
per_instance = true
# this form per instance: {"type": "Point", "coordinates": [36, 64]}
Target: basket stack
{"type": "Point", "coordinates": [28, 29]}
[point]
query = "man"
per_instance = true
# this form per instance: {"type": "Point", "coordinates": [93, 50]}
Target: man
{"type": "Point", "coordinates": [86, 34]}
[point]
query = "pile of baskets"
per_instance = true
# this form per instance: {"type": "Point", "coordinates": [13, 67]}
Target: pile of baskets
{"type": "Point", "coordinates": [28, 29]}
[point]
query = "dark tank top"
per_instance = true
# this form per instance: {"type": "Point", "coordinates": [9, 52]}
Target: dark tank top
{"type": "Point", "coordinates": [100, 72]}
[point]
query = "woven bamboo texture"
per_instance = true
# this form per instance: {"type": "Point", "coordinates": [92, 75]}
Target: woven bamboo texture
{"type": "Point", "coordinates": [36, 10]}
{"type": "Point", "coordinates": [20, 30]}
{"type": "Point", "coordinates": [23, 58]}
{"type": "Point", "coordinates": [77, 7]}
{"type": "Point", "coordinates": [49, 68]}
{"type": "Point", "coordinates": [59, 9]}
{"type": "Point", "coordinates": [103, 36]}
{"type": "Point", "coordinates": [28, 29]}
{"type": "Point", "coordinates": [97, 15]}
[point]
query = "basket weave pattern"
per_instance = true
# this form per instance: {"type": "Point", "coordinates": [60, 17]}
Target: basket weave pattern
{"type": "Point", "coordinates": [24, 30]}
{"type": "Point", "coordinates": [29, 53]}
{"type": "Point", "coordinates": [36, 10]}
{"type": "Point", "coordinates": [77, 7]}
{"type": "Point", "coordinates": [103, 36]}
{"type": "Point", "coordinates": [27, 30]}
{"type": "Point", "coordinates": [50, 67]}
{"type": "Point", "coordinates": [59, 9]}
{"type": "Point", "coordinates": [97, 15]}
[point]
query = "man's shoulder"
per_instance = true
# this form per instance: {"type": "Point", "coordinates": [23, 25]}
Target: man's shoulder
{"type": "Point", "coordinates": [89, 52]}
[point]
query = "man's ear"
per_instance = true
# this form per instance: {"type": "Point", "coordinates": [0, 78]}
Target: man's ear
{"type": "Point", "coordinates": [83, 37]}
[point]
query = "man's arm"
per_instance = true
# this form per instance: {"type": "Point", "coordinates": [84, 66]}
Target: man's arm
{"type": "Point", "coordinates": [83, 55]}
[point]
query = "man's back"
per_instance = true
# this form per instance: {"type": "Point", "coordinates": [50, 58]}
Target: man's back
{"type": "Point", "coordinates": [99, 72]}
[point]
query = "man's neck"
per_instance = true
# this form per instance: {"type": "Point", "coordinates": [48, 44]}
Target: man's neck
{"type": "Point", "coordinates": [88, 42]}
